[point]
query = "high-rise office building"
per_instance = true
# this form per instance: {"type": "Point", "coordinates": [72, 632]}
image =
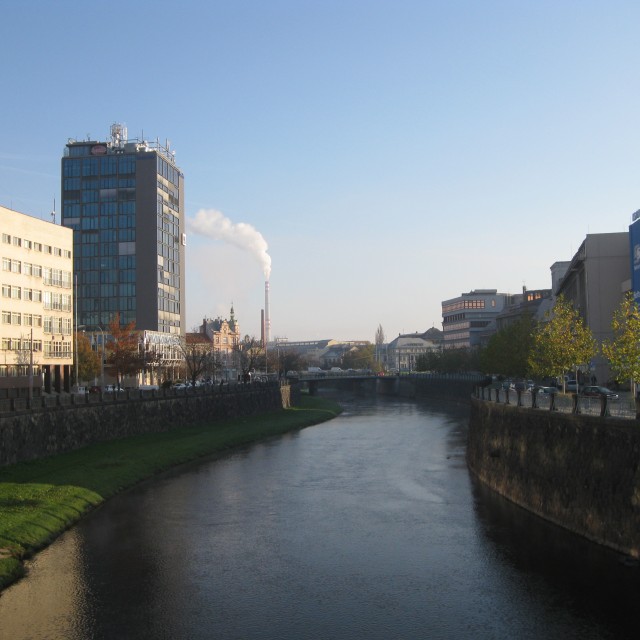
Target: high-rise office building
{"type": "Point", "coordinates": [124, 199]}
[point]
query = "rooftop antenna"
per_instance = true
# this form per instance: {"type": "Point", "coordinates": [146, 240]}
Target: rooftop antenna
{"type": "Point", "coordinates": [53, 213]}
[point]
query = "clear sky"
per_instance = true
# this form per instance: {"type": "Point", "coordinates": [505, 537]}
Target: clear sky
{"type": "Point", "coordinates": [391, 154]}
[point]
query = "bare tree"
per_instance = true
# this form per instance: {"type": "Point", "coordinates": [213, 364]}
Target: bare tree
{"type": "Point", "coordinates": [199, 359]}
{"type": "Point", "coordinates": [249, 353]}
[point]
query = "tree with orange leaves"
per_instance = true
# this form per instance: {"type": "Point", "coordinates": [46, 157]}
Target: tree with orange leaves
{"type": "Point", "coordinates": [123, 348]}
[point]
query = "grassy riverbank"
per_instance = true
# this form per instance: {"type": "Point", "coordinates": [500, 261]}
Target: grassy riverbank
{"type": "Point", "coordinates": [39, 500]}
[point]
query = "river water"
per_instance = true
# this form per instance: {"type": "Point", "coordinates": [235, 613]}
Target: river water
{"type": "Point", "coordinates": [366, 527]}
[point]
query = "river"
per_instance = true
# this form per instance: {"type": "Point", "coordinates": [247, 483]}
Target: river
{"type": "Point", "coordinates": [365, 527]}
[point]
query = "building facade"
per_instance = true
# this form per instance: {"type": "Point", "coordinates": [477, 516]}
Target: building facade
{"type": "Point", "coordinates": [470, 319]}
{"type": "Point", "coordinates": [124, 200]}
{"type": "Point", "coordinates": [36, 328]}
{"type": "Point", "coordinates": [402, 353]}
{"type": "Point", "coordinates": [224, 335]}
{"type": "Point", "coordinates": [595, 282]}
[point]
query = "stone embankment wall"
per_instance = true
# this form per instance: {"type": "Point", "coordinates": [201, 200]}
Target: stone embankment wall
{"type": "Point", "coordinates": [580, 472]}
{"type": "Point", "coordinates": [30, 435]}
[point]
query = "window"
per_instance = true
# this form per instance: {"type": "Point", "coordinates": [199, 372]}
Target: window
{"type": "Point", "coordinates": [6, 238]}
{"type": "Point", "coordinates": [16, 266]}
{"type": "Point", "coordinates": [6, 264]}
{"type": "Point", "coordinates": [6, 317]}
{"type": "Point", "coordinates": [17, 242]}
{"type": "Point", "coordinates": [16, 293]}
{"type": "Point", "coordinates": [6, 291]}
{"type": "Point", "coordinates": [28, 244]}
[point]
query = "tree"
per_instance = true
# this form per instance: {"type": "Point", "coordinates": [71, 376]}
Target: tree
{"type": "Point", "coordinates": [561, 343]}
{"type": "Point", "coordinates": [292, 360]}
{"type": "Point", "coordinates": [199, 359]}
{"type": "Point", "coordinates": [122, 347]}
{"type": "Point", "coordinates": [88, 360]}
{"type": "Point", "coordinates": [508, 351]}
{"type": "Point", "coordinates": [623, 352]}
{"type": "Point", "coordinates": [361, 357]}
{"type": "Point", "coordinates": [249, 352]}
{"type": "Point", "coordinates": [449, 360]}
{"type": "Point", "coordinates": [379, 342]}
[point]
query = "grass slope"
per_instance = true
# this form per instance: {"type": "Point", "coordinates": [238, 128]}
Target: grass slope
{"type": "Point", "coordinates": [40, 499]}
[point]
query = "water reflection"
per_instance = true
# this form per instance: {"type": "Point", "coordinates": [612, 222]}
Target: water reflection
{"type": "Point", "coordinates": [368, 526]}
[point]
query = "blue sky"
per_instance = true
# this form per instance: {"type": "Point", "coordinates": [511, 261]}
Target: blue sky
{"type": "Point", "coordinates": [392, 154]}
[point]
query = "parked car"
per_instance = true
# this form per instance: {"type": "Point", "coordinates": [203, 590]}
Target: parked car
{"type": "Point", "coordinates": [571, 385]}
{"type": "Point", "coordinates": [546, 390]}
{"type": "Point", "coordinates": [597, 392]}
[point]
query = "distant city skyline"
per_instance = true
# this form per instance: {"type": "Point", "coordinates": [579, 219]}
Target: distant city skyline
{"type": "Point", "coordinates": [390, 155]}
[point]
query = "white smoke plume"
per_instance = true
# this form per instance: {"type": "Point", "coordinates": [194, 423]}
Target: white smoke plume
{"type": "Point", "coordinates": [213, 224]}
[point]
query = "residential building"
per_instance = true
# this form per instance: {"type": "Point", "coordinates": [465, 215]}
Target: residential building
{"type": "Point", "coordinates": [595, 282]}
{"type": "Point", "coordinates": [36, 328]}
{"type": "Point", "coordinates": [470, 319]}
{"type": "Point", "coordinates": [124, 200]}
{"type": "Point", "coordinates": [224, 335]}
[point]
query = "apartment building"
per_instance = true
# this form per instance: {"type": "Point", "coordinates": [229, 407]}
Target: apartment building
{"type": "Point", "coordinates": [36, 326]}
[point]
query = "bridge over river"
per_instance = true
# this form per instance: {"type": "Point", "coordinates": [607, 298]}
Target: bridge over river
{"type": "Point", "coordinates": [405, 384]}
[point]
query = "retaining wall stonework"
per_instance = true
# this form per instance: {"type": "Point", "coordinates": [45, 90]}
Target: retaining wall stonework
{"type": "Point", "coordinates": [581, 472]}
{"type": "Point", "coordinates": [30, 435]}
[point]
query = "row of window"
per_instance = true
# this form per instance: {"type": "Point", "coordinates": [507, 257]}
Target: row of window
{"type": "Point", "coordinates": [106, 249]}
{"type": "Point", "coordinates": [72, 211]}
{"type": "Point", "coordinates": [87, 167]}
{"type": "Point", "coordinates": [21, 319]}
{"type": "Point", "coordinates": [56, 301]}
{"type": "Point", "coordinates": [50, 324]}
{"type": "Point", "coordinates": [54, 324]}
{"type": "Point", "coordinates": [16, 241]}
{"type": "Point", "coordinates": [20, 344]}
{"type": "Point", "coordinates": [110, 305]}
{"type": "Point", "coordinates": [15, 370]}
{"type": "Point", "coordinates": [21, 293]}
{"type": "Point", "coordinates": [464, 304]}
{"type": "Point", "coordinates": [52, 277]}
{"type": "Point", "coordinates": [107, 277]}
{"type": "Point", "coordinates": [109, 182]}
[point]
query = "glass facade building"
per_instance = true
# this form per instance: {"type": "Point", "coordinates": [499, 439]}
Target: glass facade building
{"type": "Point", "coordinates": [124, 200]}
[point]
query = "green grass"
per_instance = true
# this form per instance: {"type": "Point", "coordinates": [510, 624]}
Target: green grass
{"type": "Point", "coordinates": [40, 499]}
